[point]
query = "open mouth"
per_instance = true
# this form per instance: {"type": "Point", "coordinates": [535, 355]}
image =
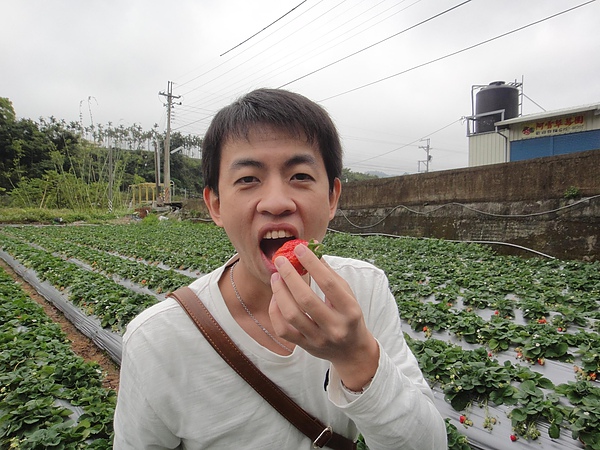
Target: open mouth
{"type": "Point", "coordinates": [270, 244]}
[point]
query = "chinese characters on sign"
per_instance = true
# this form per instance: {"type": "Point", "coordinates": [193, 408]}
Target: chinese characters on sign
{"type": "Point", "coordinates": [554, 126]}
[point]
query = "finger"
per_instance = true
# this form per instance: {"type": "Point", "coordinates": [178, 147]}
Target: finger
{"type": "Point", "coordinates": [287, 308]}
{"type": "Point", "coordinates": [300, 292]}
{"type": "Point", "coordinates": [336, 289]}
{"type": "Point", "coordinates": [282, 327]}
{"type": "Point", "coordinates": [343, 282]}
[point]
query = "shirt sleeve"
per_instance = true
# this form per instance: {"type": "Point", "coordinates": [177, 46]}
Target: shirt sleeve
{"type": "Point", "coordinates": [396, 410]}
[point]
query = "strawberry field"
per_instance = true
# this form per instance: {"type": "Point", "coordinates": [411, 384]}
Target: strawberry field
{"type": "Point", "coordinates": [511, 346]}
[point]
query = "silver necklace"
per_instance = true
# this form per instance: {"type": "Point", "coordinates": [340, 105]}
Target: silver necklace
{"type": "Point", "coordinates": [239, 297]}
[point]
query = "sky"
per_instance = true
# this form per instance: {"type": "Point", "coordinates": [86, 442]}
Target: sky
{"type": "Point", "coordinates": [391, 73]}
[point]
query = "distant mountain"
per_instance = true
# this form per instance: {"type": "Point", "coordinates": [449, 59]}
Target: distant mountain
{"type": "Point", "coordinates": [378, 174]}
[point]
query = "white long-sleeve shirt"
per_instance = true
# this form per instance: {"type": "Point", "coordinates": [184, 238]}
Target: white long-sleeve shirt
{"type": "Point", "coordinates": [177, 392]}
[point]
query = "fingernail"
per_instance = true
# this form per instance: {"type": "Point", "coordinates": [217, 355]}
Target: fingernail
{"type": "Point", "coordinates": [300, 250]}
{"type": "Point", "coordinates": [279, 261]}
{"type": "Point", "coordinates": [275, 277]}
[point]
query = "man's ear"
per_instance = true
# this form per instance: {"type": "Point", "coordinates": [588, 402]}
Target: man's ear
{"type": "Point", "coordinates": [334, 197]}
{"type": "Point", "coordinates": [211, 199]}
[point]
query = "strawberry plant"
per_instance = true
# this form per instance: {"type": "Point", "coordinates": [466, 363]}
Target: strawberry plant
{"type": "Point", "coordinates": [499, 333]}
{"type": "Point", "coordinates": [149, 275]}
{"type": "Point", "coordinates": [113, 304]}
{"type": "Point", "coordinates": [533, 308]}
{"type": "Point", "coordinates": [180, 245]}
{"type": "Point", "coordinates": [532, 406]}
{"type": "Point", "coordinates": [50, 398]}
{"type": "Point", "coordinates": [511, 317]}
{"type": "Point", "coordinates": [585, 416]}
{"type": "Point", "coordinates": [503, 307]}
{"type": "Point", "coordinates": [456, 440]}
{"type": "Point", "coordinates": [419, 315]}
{"type": "Point", "coordinates": [542, 341]}
{"type": "Point", "coordinates": [467, 326]}
{"type": "Point", "coordinates": [590, 361]}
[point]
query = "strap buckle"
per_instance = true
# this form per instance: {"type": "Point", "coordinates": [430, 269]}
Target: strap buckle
{"type": "Point", "coordinates": [323, 438]}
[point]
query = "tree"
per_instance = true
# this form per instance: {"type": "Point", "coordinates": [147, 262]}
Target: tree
{"type": "Point", "coordinates": [186, 173]}
{"type": "Point", "coordinates": [7, 122]}
{"type": "Point", "coordinates": [7, 112]}
{"type": "Point", "coordinates": [348, 175]}
{"type": "Point", "coordinates": [24, 148]}
{"type": "Point", "coordinates": [40, 161]}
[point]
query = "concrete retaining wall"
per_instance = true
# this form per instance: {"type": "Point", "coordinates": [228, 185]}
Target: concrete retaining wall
{"type": "Point", "coordinates": [525, 203]}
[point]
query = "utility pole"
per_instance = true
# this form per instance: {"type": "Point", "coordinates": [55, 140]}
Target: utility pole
{"type": "Point", "coordinates": [110, 178]}
{"type": "Point", "coordinates": [157, 166]}
{"type": "Point", "coordinates": [427, 148]}
{"type": "Point", "coordinates": [167, 161]}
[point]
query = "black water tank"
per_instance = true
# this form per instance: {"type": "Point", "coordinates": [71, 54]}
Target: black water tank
{"type": "Point", "coordinates": [494, 97]}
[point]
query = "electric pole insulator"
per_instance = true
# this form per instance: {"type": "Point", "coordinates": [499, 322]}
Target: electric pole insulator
{"type": "Point", "coordinates": [426, 162]}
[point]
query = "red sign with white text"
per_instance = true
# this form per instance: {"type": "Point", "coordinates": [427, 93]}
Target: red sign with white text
{"type": "Point", "coordinates": [550, 127]}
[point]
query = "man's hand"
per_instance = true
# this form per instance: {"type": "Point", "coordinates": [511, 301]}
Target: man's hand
{"type": "Point", "coordinates": [334, 330]}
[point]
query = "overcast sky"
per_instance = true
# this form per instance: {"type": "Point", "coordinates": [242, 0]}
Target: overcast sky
{"type": "Point", "coordinates": [107, 61]}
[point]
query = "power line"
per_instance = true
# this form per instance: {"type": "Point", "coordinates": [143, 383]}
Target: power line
{"type": "Point", "coordinates": [285, 66]}
{"type": "Point", "coordinates": [235, 56]}
{"type": "Point", "coordinates": [377, 43]}
{"type": "Point", "coordinates": [459, 51]}
{"type": "Point", "coordinates": [272, 23]}
{"type": "Point", "coordinates": [321, 45]}
{"type": "Point", "coordinates": [215, 99]}
{"type": "Point", "coordinates": [228, 86]}
{"type": "Point", "coordinates": [281, 64]}
{"type": "Point", "coordinates": [409, 144]}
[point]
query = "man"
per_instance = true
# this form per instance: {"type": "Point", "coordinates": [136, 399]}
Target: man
{"type": "Point", "coordinates": [331, 339]}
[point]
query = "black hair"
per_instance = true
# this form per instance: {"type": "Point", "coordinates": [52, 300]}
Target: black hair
{"type": "Point", "coordinates": [281, 110]}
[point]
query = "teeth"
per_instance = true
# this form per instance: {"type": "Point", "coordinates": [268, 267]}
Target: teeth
{"type": "Point", "coordinates": [276, 234]}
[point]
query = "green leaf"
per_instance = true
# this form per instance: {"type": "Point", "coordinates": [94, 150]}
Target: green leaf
{"type": "Point", "coordinates": [518, 415]}
{"type": "Point", "coordinates": [460, 401]}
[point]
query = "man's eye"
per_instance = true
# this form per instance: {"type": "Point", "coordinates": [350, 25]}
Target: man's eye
{"type": "Point", "coordinates": [247, 180]}
{"type": "Point", "coordinates": [302, 177]}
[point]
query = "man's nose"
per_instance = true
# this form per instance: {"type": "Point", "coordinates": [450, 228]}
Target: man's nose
{"type": "Point", "coordinates": [276, 199]}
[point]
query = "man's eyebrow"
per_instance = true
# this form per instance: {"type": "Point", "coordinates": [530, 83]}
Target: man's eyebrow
{"type": "Point", "coordinates": [293, 161]}
{"type": "Point", "coordinates": [246, 162]}
{"type": "Point", "coordinates": [301, 159]}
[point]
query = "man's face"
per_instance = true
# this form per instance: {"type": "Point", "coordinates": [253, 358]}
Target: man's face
{"type": "Point", "coordinates": [272, 187]}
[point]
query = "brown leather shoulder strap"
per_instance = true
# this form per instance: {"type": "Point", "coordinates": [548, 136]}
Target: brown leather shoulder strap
{"type": "Point", "coordinates": [320, 434]}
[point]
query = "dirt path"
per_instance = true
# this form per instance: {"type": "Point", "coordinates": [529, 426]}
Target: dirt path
{"type": "Point", "coordinates": [81, 344]}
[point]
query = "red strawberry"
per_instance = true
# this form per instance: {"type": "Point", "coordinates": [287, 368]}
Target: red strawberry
{"type": "Point", "coordinates": [513, 437]}
{"type": "Point", "coordinates": [287, 250]}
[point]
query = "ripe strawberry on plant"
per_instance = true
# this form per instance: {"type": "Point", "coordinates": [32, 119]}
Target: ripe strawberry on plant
{"type": "Point", "coordinates": [287, 250]}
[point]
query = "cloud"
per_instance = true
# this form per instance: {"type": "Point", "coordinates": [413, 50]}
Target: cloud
{"type": "Point", "coordinates": [56, 55]}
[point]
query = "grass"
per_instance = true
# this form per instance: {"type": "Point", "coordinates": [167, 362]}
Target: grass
{"type": "Point", "coordinates": [55, 216]}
